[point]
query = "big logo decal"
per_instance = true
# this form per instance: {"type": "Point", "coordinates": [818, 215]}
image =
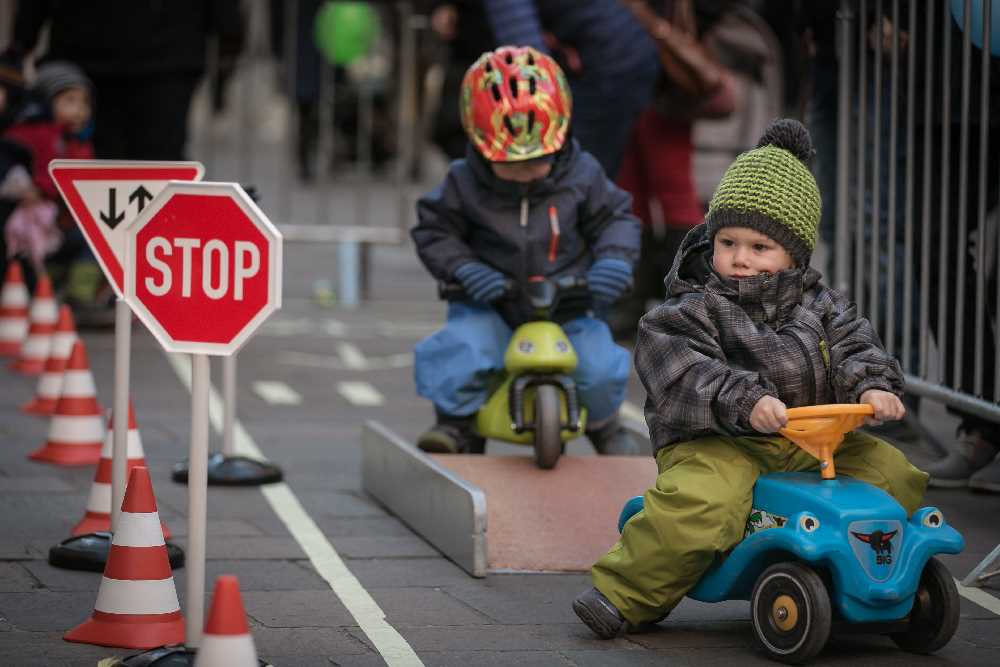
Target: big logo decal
{"type": "Point", "coordinates": [876, 546]}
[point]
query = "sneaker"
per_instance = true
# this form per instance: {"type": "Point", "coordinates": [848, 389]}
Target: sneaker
{"type": "Point", "coordinates": [972, 453]}
{"type": "Point", "coordinates": [987, 478]}
{"type": "Point", "coordinates": [451, 436]}
{"type": "Point", "coordinates": [613, 439]}
{"type": "Point", "coordinates": [598, 614]}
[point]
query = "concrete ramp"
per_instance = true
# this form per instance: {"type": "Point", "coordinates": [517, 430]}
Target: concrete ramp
{"type": "Point", "coordinates": [502, 513]}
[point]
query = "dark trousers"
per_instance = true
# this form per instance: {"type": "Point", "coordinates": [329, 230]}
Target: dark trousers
{"type": "Point", "coordinates": [143, 118]}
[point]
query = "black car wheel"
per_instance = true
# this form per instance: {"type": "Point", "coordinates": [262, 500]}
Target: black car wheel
{"type": "Point", "coordinates": [934, 617]}
{"type": "Point", "coordinates": [791, 612]}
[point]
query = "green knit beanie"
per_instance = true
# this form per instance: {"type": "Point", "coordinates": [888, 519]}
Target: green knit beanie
{"type": "Point", "coordinates": [771, 190]}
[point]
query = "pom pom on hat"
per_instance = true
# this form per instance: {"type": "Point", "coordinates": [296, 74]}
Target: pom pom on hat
{"type": "Point", "coordinates": [791, 135]}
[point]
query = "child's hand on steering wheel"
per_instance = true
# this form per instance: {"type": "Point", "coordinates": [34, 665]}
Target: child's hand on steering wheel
{"type": "Point", "coordinates": [886, 404]}
{"type": "Point", "coordinates": [768, 415]}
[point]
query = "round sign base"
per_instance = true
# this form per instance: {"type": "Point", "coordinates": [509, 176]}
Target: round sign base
{"type": "Point", "coordinates": [168, 656]}
{"type": "Point", "coordinates": [90, 552]}
{"type": "Point", "coordinates": [233, 471]}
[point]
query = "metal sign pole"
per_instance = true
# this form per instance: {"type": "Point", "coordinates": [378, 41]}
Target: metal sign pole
{"type": "Point", "coordinates": [229, 400]}
{"type": "Point", "coordinates": [197, 500]}
{"type": "Point", "coordinates": [119, 441]}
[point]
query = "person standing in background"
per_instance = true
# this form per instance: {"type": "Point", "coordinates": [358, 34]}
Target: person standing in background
{"type": "Point", "coordinates": [144, 58]}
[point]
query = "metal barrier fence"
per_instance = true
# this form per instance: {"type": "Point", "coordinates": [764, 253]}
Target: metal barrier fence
{"type": "Point", "coordinates": [916, 201]}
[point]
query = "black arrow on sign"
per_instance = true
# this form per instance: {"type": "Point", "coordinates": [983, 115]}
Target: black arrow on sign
{"type": "Point", "coordinates": [110, 219]}
{"type": "Point", "coordinates": [142, 194]}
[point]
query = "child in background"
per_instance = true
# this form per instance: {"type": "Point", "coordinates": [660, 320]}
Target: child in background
{"type": "Point", "coordinates": [56, 124]}
{"type": "Point", "coordinates": [526, 201]}
{"type": "Point", "coordinates": [747, 329]}
{"type": "Point", "coordinates": [15, 159]}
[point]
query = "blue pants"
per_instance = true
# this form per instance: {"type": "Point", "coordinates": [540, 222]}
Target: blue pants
{"type": "Point", "coordinates": [456, 367]}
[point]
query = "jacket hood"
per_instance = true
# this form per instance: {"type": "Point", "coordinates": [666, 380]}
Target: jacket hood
{"type": "Point", "coordinates": [776, 294]}
{"type": "Point", "coordinates": [561, 166]}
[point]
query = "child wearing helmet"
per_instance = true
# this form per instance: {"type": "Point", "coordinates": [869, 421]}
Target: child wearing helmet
{"type": "Point", "coordinates": [525, 201]}
{"type": "Point", "coordinates": [746, 330]}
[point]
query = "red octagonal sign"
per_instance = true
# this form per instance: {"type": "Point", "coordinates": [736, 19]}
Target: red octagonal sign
{"type": "Point", "coordinates": [203, 267]}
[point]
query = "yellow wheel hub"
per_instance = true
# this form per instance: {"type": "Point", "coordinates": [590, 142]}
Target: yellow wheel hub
{"type": "Point", "coordinates": [785, 612]}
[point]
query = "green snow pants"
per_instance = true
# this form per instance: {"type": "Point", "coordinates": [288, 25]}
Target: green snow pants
{"type": "Point", "coordinates": [699, 507]}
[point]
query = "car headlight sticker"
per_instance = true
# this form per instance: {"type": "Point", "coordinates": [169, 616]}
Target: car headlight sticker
{"type": "Point", "coordinates": [809, 523]}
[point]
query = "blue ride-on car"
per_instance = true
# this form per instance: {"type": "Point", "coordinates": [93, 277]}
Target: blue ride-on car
{"type": "Point", "coordinates": [822, 550]}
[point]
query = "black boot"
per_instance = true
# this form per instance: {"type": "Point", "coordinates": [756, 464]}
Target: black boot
{"type": "Point", "coordinates": [612, 439]}
{"type": "Point", "coordinates": [452, 435]}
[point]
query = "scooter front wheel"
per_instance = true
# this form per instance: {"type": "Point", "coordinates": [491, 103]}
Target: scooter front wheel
{"type": "Point", "coordinates": [548, 442]}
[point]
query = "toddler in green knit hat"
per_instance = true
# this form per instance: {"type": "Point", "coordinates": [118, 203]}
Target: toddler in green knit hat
{"type": "Point", "coordinates": [747, 330]}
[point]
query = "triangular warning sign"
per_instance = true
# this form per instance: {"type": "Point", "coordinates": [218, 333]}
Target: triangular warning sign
{"type": "Point", "coordinates": [105, 195]}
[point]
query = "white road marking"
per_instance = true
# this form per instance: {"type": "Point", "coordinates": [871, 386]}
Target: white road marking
{"type": "Point", "coordinates": [333, 328]}
{"type": "Point", "coordinates": [324, 558]}
{"type": "Point", "coordinates": [276, 393]}
{"type": "Point", "coordinates": [980, 597]}
{"type": "Point", "coordinates": [352, 356]}
{"type": "Point", "coordinates": [631, 412]}
{"type": "Point", "coordinates": [360, 393]}
{"type": "Point", "coordinates": [289, 327]}
{"type": "Point", "coordinates": [307, 360]}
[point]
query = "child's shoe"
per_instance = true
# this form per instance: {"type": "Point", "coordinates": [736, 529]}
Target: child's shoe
{"type": "Point", "coordinates": [973, 452]}
{"type": "Point", "coordinates": [598, 614]}
{"type": "Point", "coordinates": [451, 435]}
{"type": "Point", "coordinates": [612, 439]}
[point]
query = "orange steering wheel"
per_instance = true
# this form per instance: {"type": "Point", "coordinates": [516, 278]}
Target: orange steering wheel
{"type": "Point", "coordinates": [819, 429]}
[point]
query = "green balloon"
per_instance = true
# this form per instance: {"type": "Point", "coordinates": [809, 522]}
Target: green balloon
{"type": "Point", "coordinates": [345, 31]}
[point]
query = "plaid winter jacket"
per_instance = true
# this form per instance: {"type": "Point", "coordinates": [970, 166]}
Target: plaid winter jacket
{"type": "Point", "coordinates": [716, 346]}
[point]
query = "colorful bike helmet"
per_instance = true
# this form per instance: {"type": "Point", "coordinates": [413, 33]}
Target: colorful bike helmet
{"type": "Point", "coordinates": [515, 104]}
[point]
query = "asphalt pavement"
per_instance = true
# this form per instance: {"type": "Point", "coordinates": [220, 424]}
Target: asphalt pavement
{"type": "Point", "coordinates": [307, 381]}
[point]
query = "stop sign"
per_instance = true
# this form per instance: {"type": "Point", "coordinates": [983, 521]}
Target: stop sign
{"type": "Point", "coordinates": [203, 267]}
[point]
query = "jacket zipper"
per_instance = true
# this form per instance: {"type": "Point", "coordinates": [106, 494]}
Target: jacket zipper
{"type": "Point", "coordinates": [812, 373]}
{"type": "Point", "coordinates": [554, 238]}
{"type": "Point", "coordinates": [524, 230]}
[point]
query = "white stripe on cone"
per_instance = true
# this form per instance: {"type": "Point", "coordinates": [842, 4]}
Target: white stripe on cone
{"type": "Point", "coordinates": [78, 384]}
{"type": "Point", "coordinates": [226, 651]}
{"type": "Point", "coordinates": [14, 296]}
{"type": "Point", "coordinates": [76, 430]}
{"type": "Point", "coordinates": [138, 529]}
{"type": "Point", "coordinates": [133, 442]}
{"type": "Point", "coordinates": [62, 344]}
{"type": "Point", "coordinates": [36, 347]}
{"type": "Point", "coordinates": [146, 596]}
{"type": "Point", "coordinates": [13, 328]}
{"type": "Point", "coordinates": [49, 385]}
{"type": "Point", "coordinates": [99, 500]}
{"type": "Point", "coordinates": [44, 311]}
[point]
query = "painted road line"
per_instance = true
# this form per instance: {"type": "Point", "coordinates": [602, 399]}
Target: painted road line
{"type": "Point", "coordinates": [324, 558]}
{"type": "Point", "coordinates": [351, 356]}
{"type": "Point", "coordinates": [307, 360]}
{"type": "Point", "coordinates": [360, 393]}
{"type": "Point", "coordinates": [276, 393]}
{"type": "Point", "coordinates": [631, 412]}
{"type": "Point", "coordinates": [980, 597]}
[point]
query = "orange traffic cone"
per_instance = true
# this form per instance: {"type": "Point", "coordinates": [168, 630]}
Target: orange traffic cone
{"type": "Point", "coordinates": [227, 641]}
{"type": "Point", "coordinates": [98, 515]}
{"type": "Point", "coordinates": [50, 383]}
{"type": "Point", "coordinates": [41, 324]}
{"type": "Point", "coordinates": [13, 310]}
{"type": "Point", "coordinates": [76, 431]}
{"type": "Point", "coordinates": [137, 603]}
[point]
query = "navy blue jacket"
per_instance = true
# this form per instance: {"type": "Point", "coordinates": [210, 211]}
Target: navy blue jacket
{"type": "Point", "coordinates": [475, 216]}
